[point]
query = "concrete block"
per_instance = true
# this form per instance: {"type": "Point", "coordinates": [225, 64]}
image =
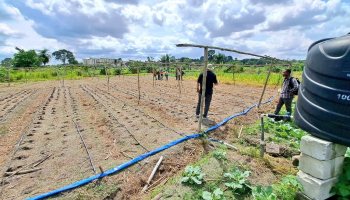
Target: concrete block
{"type": "Point", "coordinates": [321, 149]}
{"type": "Point", "coordinates": [315, 188]}
{"type": "Point", "coordinates": [321, 169]}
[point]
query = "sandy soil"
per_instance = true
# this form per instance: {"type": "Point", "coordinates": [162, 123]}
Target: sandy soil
{"type": "Point", "coordinates": [40, 125]}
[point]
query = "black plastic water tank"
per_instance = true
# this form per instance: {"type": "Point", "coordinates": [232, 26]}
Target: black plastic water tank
{"type": "Point", "coordinates": [323, 106]}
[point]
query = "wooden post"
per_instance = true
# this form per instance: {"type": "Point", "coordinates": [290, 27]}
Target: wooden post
{"type": "Point", "coordinates": [153, 74]}
{"type": "Point", "coordinates": [266, 81]}
{"type": "Point", "coordinates": [138, 84]}
{"type": "Point", "coordinates": [233, 74]}
{"type": "Point", "coordinates": [107, 75]}
{"type": "Point", "coordinates": [204, 81]}
{"type": "Point", "coordinates": [8, 75]}
{"type": "Point", "coordinates": [181, 77]}
{"type": "Point", "coordinates": [262, 138]}
{"type": "Point", "coordinates": [178, 81]}
{"type": "Point", "coordinates": [25, 75]}
{"type": "Point", "coordinates": [65, 73]}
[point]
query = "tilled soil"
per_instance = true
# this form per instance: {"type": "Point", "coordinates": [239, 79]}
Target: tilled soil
{"type": "Point", "coordinates": [43, 126]}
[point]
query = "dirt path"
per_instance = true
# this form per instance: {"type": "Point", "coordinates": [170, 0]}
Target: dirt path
{"type": "Point", "coordinates": [113, 124]}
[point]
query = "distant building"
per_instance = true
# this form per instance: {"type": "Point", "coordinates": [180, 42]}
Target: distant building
{"type": "Point", "coordinates": [101, 61]}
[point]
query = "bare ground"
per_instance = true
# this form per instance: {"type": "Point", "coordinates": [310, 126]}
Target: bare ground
{"type": "Point", "coordinates": [43, 120]}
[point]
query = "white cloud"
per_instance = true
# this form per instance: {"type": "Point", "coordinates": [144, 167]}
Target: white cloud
{"type": "Point", "coordinates": [137, 29]}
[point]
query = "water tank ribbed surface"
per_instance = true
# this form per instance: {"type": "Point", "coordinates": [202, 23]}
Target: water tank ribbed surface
{"type": "Point", "coordinates": [323, 106]}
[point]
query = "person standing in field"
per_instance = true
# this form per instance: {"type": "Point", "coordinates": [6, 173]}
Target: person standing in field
{"type": "Point", "coordinates": [289, 89]}
{"type": "Point", "coordinates": [210, 81]}
{"type": "Point", "coordinates": [166, 75]}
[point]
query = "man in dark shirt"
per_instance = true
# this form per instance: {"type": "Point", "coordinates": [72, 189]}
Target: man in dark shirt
{"type": "Point", "coordinates": [289, 86]}
{"type": "Point", "coordinates": [211, 80]}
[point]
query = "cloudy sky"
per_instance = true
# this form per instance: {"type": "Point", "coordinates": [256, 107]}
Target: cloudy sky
{"type": "Point", "coordinates": [135, 29]}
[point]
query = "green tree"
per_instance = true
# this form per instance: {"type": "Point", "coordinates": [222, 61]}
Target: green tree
{"type": "Point", "coordinates": [64, 55]}
{"type": "Point", "coordinates": [6, 62]}
{"type": "Point", "coordinates": [150, 59]}
{"type": "Point", "coordinates": [26, 58]}
{"type": "Point", "coordinates": [165, 58]}
{"type": "Point", "coordinates": [211, 54]}
{"type": "Point", "coordinates": [219, 58]}
{"type": "Point", "coordinates": [44, 56]}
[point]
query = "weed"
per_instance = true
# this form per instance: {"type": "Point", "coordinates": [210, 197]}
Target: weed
{"type": "Point", "coordinates": [253, 152]}
{"type": "Point", "coordinates": [287, 188]}
{"type": "Point", "coordinates": [342, 188]}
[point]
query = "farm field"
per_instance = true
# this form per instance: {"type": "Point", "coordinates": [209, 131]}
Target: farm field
{"type": "Point", "coordinates": [44, 126]}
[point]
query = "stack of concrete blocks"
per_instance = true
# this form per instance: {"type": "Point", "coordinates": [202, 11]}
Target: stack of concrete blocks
{"type": "Point", "coordinates": [320, 164]}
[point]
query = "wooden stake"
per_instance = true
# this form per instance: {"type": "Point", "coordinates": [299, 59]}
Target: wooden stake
{"type": "Point", "coordinates": [101, 170]}
{"type": "Point", "coordinates": [266, 81]}
{"type": "Point", "coordinates": [25, 75]}
{"type": "Point", "coordinates": [42, 160]}
{"type": "Point", "coordinates": [204, 81]}
{"type": "Point", "coordinates": [8, 76]}
{"type": "Point", "coordinates": [178, 81]}
{"type": "Point", "coordinates": [240, 132]}
{"type": "Point", "coordinates": [153, 75]}
{"type": "Point", "coordinates": [152, 175]}
{"type": "Point", "coordinates": [233, 75]}
{"type": "Point", "coordinates": [22, 172]}
{"type": "Point", "coordinates": [107, 75]}
{"type": "Point", "coordinates": [138, 84]}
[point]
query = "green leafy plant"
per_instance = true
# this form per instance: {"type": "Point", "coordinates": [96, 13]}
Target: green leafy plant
{"type": "Point", "coordinates": [347, 154]}
{"type": "Point", "coordinates": [263, 193]}
{"type": "Point", "coordinates": [236, 180]}
{"type": "Point", "coordinates": [193, 175]}
{"type": "Point", "coordinates": [220, 155]}
{"type": "Point", "coordinates": [287, 188]}
{"type": "Point", "coordinates": [284, 132]}
{"type": "Point", "coordinates": [342, 188]}
{"type": "Point", "coordinates": [217, 194]}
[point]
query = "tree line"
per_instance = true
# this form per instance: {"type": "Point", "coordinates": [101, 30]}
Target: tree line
{"type": "Point", "coordinates": [33, 58]}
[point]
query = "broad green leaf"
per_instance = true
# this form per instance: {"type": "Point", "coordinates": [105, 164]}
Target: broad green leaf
{"type": "Point", "coordinates": [207, 195]}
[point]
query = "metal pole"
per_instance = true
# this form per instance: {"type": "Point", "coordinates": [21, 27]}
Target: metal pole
{"type": "Point", "coordinates": [266, 81]}
{"type": "Point", "coordinates": [204, 81]}
{"type": "Point", "coordinates": [262, 139]}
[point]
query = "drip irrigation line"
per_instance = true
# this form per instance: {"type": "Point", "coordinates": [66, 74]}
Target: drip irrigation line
{"type": "Point", "coordinates": [19, 142]}
{"type": "Point", "coordinates": [115, 118]}
{"type": "Point", "coordinates": [140, 158]}
{"type": "Point", "coordinates": [143, 112]}
{"type": "Point", "coordinates": [4, 116]}
{"type": "Point", "coordinates": [86, 149]}
{"type": "Point", "coordinates": [78, 130]}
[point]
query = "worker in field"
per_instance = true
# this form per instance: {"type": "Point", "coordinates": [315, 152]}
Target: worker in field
{"type": "Point", "coordinates": [289, 89]}
{"type": "Point", "coordinates": [166, 75]}
{"type": "Point", "coordinates": [210, 81]}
